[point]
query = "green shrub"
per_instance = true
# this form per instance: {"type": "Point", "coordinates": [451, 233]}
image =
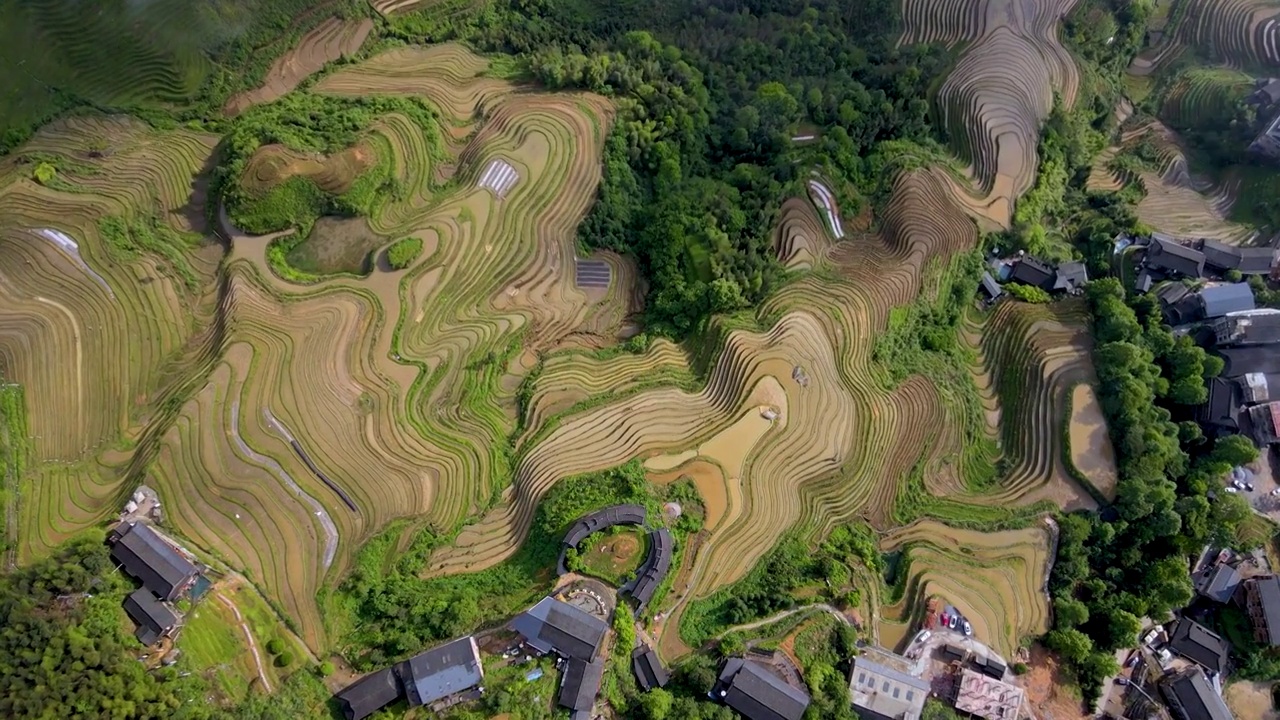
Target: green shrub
{"type": "Point", "coordinates": [275, 646]}
{"type": "Point", "coordinates": [403, 252]}
{"type": "Point", "coordinates": [284, 659]}
{"type": "Point", "coordinates": [327, 668]}
{"type": "Point", "coordinates": [44, 173]}
{"type": "Point", "coordinates": [1027, 293]}
{"type": "Point", "coordinates": [1020, 668]}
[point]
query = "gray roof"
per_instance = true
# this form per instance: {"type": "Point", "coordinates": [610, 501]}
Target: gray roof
{"type": "Point", "coordinates": [990, 286]}
{"type": "Point", "coordinates": [1222, 408]}
{"type": "Point", "coordinates": [1033, 271]}
{"type": "Point", "coordinates": [580, 684]}
{"type": "Point", "coordinates": [1248, 260]}
{"type": "Point", "coordinates": [369, 694]}
{"type": "Point", "coordinates": [1222, 299]}
{"type": "Point", "coordinates": [1218, 582]}
{"type": "Point", "coordinates": [1172, 257]}
{"type": "Point", "coordinates": [1199, 644]}
{"type": "Point", "coordinates": [648, 668]}
{"type": "Point", "coordinates": [1269, 595]}
{"type": "Point", "coordinates": [1192, 697]}
{"type": "Point", "coordinates": [655, 567]}
{"type": "Point", "coordinates": [144, 555]}
{"type": "Point", "coordinates": [758, 694]}
{"type": "Point", "coordinates": [1255, 327]}
{"type": "Point", "coordinates": [597, 521]}
{"type": "Point", "coordinates": [552, 625]}
{"type": "Point", "coordinates": [442, 671]}
{"type": "Point", "coordinates": [1244, 360]}
{"type": "Point", "coordinates": [881, 691]}
{"type": "Point", "coordinates": [150, 615]}
{"type": "Point", "coordinates": [1171, 292]}
{"type": "Point", "coordinates": [1071, 276]}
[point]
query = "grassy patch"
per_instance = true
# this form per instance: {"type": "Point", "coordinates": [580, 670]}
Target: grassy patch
{"type": "Point", "coordinates": [336, 245]}
{"type": "Point", "coordinates": [15, 451]}
{"type": "Point", "coordinates": [613, 556]}
{"type": "Point", "coordinates": [215, 647]}
{"type": "Point", "coordinates": [128, 239]}
{"type": "Point", "coordinates": [403, 252]}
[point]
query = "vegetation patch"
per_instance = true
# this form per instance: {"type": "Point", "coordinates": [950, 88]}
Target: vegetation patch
{"type": "Point", "coordinates": [404, 252]}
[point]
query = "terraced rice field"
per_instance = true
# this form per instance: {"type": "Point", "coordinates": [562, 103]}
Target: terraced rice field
{"type": "Point", "coordinates": [330, 40]}
{"type": "Point", "coordinates": [1001, 86]}
{"type": "Point", "coordinates": [1177, 201]}
{"type": "Point", "coordinates": [1237, 33]}
{"type": "Point", "coordinates": [996, 580]}
{"type": "Point", "coordinates": [1091, 450]}
{"type": "Point", "coordinates": [462, 388]}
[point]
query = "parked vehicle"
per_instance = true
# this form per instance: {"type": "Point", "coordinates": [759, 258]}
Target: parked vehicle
{"type": "Point", "coordinates": [1232, 490]}
{"type": "Point", "coordinates": [968, 629]}
{"type": "Point", "coordinates": [945, 619]}
{"type": "Point", "coordinates": [952, 623]}
{"type": "Point", "coordinates": [1122, 681]}
{"type": "Point", "coordinates": [1248, 487]}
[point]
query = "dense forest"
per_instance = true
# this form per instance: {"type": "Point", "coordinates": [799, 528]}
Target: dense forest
{"type": "Point", "coordinates": [710, 95]}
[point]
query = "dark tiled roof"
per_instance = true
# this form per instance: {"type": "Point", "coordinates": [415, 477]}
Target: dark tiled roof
{"type": "Point", "coordinates": [1260, 327]}
{"type": "Point", "coordinates": [1256, 261]}
{"type": "Point", "coordinates": [1199, 644]}
{"type": "Point", "coordinates": [1032, 271]}
{"type": "Point", "coordinates": [1071, 276]}
{"type": "Point", "coordinates": [758, 694]}
{"type": "Point", "coordinates": [442, 671]}
{"type": "Point", "coordinates": [599, 520]}
{"type": "Point", "coordinates": [1222, 409]}
{"type": "Point", "coordinates": [655, 567]}
{"type": "Point", "coordinates": [369, 694]}
{"type": "Point", "coordinates": [1222, 299]}
{"type": "Point", "coordinates": [1242, 360]}
{"type": "Point", "coordinates": [1220, 255]}
{"type": "Point", "coordinates": [1218, 582]}
{"type": "Point", "coordinates": [552, 625]}
{"type": "Point", "coordinates": [1191, 697]}
{"type": "Point", "coordinates": [150, 615]}
{"type": "Point", "coordinates": [648, 668]}
{"type": "Point", "coordinates": [1169, 256]}
{"type": "Point", "coordinates": [580, 684]}
{"type": "Point", "coordinates": [1171, 292]}
{"type": "Point", "coordinates": [144, 555]}
{"type": "Point", "coordinates": [1269, 595]}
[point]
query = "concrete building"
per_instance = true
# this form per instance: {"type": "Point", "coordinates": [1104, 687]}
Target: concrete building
{"type": "Point", "coordinates": [988, 698]}
{"type": "Point", "coordinates": [880, 692]}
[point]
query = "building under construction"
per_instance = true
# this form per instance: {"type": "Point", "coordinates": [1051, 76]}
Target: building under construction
{"type": "Point", "coordinates": [986, 697]}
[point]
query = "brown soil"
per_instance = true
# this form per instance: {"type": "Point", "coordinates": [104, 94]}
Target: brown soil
{"type": "Point", "coordinates": [1250, 700]}
{"type": "Point", "coordinates": [1091, 450]}
{"type": "Point", "coordinates": [1044, 683]}
{"type": "Point", "coordinates": [330, 40]}
{"type": "Point", "coordinates": [709, 481]}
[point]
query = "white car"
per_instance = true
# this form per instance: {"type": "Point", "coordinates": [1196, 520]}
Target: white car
{"type": "Point", "coordinates": [1232, 489]}
{"type": "Point", "coordinates": [968, 629]}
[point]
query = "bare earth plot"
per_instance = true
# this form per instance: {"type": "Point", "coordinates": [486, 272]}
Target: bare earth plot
{"type": "Point", "coordinates": [1091, 450]}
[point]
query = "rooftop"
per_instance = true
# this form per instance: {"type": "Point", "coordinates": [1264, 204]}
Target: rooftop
{"type": "Point", "coordinates": [148, 557]}
{"type": "Point", "coordinates": [1071, 276]}
{"type": "Point", "coordinates": [1199, 644]}
{"type": "Point", "coordinates": [150, 615]}
{"type": "Point", "coordinates": [599, 520]}
{"type": "Point", "coordinates": [580, 684]}
{"type": "Point", "coordinates": [1253, 327]}
{"type": "Point", "coordinates": [1033, 271]}
{"type": "Point", "coordinates": [886, 692]}
{"type": "Point", "coordinates": [987, 697]}
{"type": "Point", "coordinates": [758, 694]}
{"type": "Point", "coordinates": [555, 626]}
{"type": "Point", "coordinates": [648, 668]}
{"type": "Point", "coordinates": [1227, 298]}
{"type": "Point", "coordinates": [649, 576]}
{"type": "Point", "coordinates": [1218, 582]}
{"type": "Point", "coordinates": [1192, 697]}
{"type": "Point", "coordinates": [1169, 256]}
{"type": "Point", "coordinates": [369, 694]}
{"type": "Point", "coordinates": [1268, 592]}
{"type": "Point", "coordinates": [442, 671]}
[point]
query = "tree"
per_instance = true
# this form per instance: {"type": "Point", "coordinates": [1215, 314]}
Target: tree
{"type": "Point", "coordinates": [1073, 645]}
{"type": "Point", "coordinates": [1234, 450]}
{"type": "Point", "coordinates": [275, 646]}
{"type": "Point", "coordinates": [1069, 612]}
{"type": "Point", "coordinates": [284, 659]}
{"type": "Point", "coordinates": [403, 252]}
{"type": "Point", "coordinates": [656, 704]}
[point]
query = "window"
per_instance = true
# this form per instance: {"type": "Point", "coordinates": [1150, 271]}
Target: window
{"type": "Point", "coordinates": [885, 686]}
{"type": "Point", "coordinates": [911, 695]}
{"type": "Point", "coordinates": [896, 691]}
{"type": "Point", "coordinates": [862, 678]}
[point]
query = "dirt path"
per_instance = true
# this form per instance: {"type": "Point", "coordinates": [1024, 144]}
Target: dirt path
{"type": "Point", "coordinates": [253, 644]}
{"type": "Point", "coordinates": [829, 609]}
